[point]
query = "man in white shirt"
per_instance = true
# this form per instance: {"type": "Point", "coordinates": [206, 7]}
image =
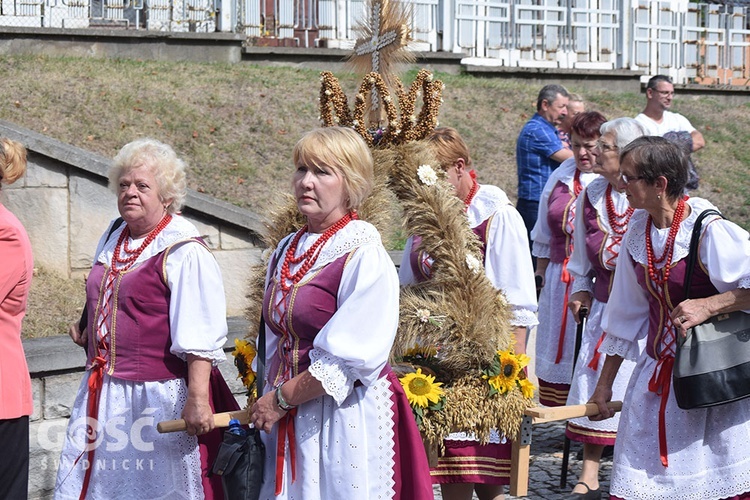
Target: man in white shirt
{"type": "Point", "coordinates": [658, 120]}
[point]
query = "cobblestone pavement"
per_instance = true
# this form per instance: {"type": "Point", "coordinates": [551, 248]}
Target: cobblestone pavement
{"type": "Point", "coordinates": [546, 462]}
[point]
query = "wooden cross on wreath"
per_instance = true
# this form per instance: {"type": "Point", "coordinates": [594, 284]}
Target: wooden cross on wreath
{"type": "Point", "coordinates": [385, 35]}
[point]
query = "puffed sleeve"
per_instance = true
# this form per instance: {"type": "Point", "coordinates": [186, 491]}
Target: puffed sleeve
{"type": "Point", "coordinates": [197, 308]}
{"type": "Point", "coordinates": [625, 318]}
{"type": "Point", "coordinates": [507, 243]}
{"type": "Point", "coordinates": [356, 341]}
{"type": "Point", "coordinates": [541, 233]}
{"type": "Point", "coordinates": [405, 272]}
{"type": "Point", "coordinates": [725, 253]}
{"type": "Point", "coordinates": [579, 264]}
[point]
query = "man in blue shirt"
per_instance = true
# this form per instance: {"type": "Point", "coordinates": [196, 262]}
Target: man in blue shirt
{"type": "Point", "coordinates": [539, 150]}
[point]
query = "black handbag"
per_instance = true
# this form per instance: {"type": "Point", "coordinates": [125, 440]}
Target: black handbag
{"type": "Point", "coordinates": [240, 459]}
{"type": "Point", "coordinates": [712, 364]}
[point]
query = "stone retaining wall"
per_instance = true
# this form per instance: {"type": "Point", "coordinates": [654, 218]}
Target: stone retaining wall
{"type": "Point", "coordinates": [57, 366]}
{"type": "Point", "coordinates": [65, 205]}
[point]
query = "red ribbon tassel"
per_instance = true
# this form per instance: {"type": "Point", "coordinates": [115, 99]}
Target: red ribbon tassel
{"type": "Point", "coordinates": [659, 384]}
{"type": "Point", "coordinates": [594, 363]}
{"type": "Point", "coordinates": [95, 381]}
{"type": "Point", "coordinates": [568, 280]}
{"type": "Point", "coordinates": [286, 433]}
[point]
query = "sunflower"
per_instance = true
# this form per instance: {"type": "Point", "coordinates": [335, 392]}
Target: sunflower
{"type": "Point", "coordinates": [527, 388]}
{"type": "Point", "coordinates": [244, 353]}
{"type": "Point", "coordinates": [510, 365]}
{"type": "Point", "coordinates": [501, 384]}
{"type": "Point", "coordinates": [421, 389]}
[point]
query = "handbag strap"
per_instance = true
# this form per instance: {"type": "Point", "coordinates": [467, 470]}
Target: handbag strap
{"type": "Point", "coordinates": [693, 253]}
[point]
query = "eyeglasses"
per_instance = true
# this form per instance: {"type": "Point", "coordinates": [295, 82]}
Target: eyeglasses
{"type": "Point", "coordinates": [604, 147]}
{"type": "Point", "coordinates": [626, 179]}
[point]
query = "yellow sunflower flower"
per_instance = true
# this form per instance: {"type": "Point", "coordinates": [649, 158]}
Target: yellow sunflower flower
{"type": "Point", "coordinates": [421, 389]}
{"type": "Point", "coordinates": [527, 388]}
{"type": "Point", "coordinates": [501, 384]}
{"type": "Point", "coordinates": [244, 353]}
{"type": "Point", "coordinates": [509, 365]}
{"type": "Point", "coordinates": [523, 360]}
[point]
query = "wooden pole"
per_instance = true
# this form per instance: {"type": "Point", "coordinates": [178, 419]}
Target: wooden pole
{"type": "Point", "coordinates": [220, 420]}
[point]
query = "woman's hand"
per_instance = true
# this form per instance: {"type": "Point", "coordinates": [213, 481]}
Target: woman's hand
{"type": "Point", "coordinates": [78, 336]}
{"type": "Point", "coordinates": [265, 412]}
{"type": "Point", "coordinates": [601, 397]}
{"type": "Point", "coordinates": [577, 301]}
{"type": "Point", "coordinates": [689, 313]}
{"type": "Point", "coordinates": [198, 416]}
{"type": "Point", "coordinates": [197, 412]}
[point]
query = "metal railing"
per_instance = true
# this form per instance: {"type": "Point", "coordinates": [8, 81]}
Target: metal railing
{"type": "Point", "coordinates": [692, 42]}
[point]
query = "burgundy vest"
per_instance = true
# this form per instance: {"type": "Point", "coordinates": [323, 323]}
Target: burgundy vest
{"type": "Point", "coordinates": [675, 293]}
{"type": "Point", "coordinates": [560, 201]}
{"type": "Point", "coordinates": [310, 304]}
{"type": "Point", "coordinates": [417, 257]}
{"type": "Point", "coordinates": [596, 240]}
{"type": "Point", "coordinates": [140, 338]}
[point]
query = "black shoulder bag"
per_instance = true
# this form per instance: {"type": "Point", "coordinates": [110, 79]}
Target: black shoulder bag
{"type": "Point", "coordinates": [712, 364]}
{"type": "Point", "coordinates": [239, 461]}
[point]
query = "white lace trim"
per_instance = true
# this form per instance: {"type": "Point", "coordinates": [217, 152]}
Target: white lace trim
{"type": "Point", "coordinates": [637, 237]}
{"type": "Point", "coordinates": [355, 234]}
{"type": "Point", "coordinates": [744, 282]}
{"type": "Point", "coordinates": [495, 437]}
{"type": "Point", "coordinates": [615, 346]}
{"type": "Point", "coordinates": [523, 317]}
{"type": "Point", "coordinates": [488, 200]}
{"type": "Point", "coordinates": [178, 229]}
{"type": "Point", "coordinates": [541, 250]}
{"type": "Point", "coordinates": [582, 284]}
{"type": "Point", "coordinates": [333, 373]}
{"type": "Point", "coordinates": [387, 461]}
{"type": "Point", "coordinates": [217, 356]}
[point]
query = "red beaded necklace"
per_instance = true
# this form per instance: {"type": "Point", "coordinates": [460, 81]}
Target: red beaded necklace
{"type": "Point", "coordinates": [310, 255]}
{"type": "Point", "coordinates": [122, 245]}
{"type": "Point", "coordinates": [472, 192]}
{"type": "Point", "coordinates": [577, 186]}
{"type": "Point", "coordinates": [662, 277]}
{"type": "Point", "coordinates": [617, 221]}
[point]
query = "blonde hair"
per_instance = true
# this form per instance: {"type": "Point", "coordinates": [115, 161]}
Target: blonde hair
{"type": "Point", "coordinates": [168, 169]}
{"type": "Point", "coordinates": [448, 146]}
{"type": "Point", "coordinates": [343, 150]}
{"type": "Point", "coordinates": [12, 161]}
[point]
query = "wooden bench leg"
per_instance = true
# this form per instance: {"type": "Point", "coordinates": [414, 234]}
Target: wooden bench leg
{"type": "Point", "coordinates": [519, 460]}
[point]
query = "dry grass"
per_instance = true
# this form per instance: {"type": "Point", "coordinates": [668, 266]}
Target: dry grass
{"type": "Point", "coordinates": [54, 303]}
{"type": "Point", "coordinates": [236, 124]}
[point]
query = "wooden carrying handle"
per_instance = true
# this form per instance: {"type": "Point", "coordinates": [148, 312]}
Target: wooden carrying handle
{"type": "Point", "coordinates": [220, 420]}
{"type": "Point", "coordinates": [544, 414]}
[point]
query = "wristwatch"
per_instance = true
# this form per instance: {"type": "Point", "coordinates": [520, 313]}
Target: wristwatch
{"type": "Point", "coordinates": [281, 402]}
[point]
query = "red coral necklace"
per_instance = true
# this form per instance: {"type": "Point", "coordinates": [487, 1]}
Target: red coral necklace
{"type": "Point", "coordinates": [617, 221]}
{"type": "Point", "coordinates": [472, 193]}
{"type": "Point", "coordinates": [132, 255]}
{"type": "Point", "coordinates": [310, 255]}
{"type": "Point", "coordinates": [660, 277]}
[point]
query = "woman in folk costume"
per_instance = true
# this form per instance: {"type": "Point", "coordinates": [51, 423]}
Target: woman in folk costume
{"type": "Point", "coordinates": [552, 238]}
{"type": "Point", "coordinates": [156, 330]}
{"type": "Point", "coordinates": [602, 215]}
{"type": "Point", "coordinates": [663, 451]}
{"type": "Point", "coordinates": [338, 424]}
{"type": "Point", "coordinates": [468, 466]}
